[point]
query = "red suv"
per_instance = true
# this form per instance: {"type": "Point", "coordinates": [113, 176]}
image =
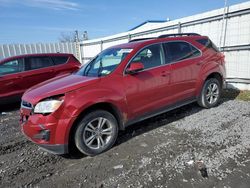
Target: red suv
{"type": "Point", "coordinates": [19, 73]}
{"type": "Point", "coordinates": [122, 85]}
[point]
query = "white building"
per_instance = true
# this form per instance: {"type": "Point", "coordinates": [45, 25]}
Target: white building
{"type": "Point", "coordinates": [228, 28]}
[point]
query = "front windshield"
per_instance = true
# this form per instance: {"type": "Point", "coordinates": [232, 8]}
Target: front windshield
{"type": "Point", "coordinates": [104, 63]}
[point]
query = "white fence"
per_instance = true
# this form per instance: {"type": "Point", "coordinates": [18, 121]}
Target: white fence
{"type": "Point", "coordinates": [18, 49]}
{"type": "Point", "coordinates": [229, 29]}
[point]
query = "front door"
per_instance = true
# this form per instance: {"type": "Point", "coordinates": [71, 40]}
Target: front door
{"type": "Point", "coordinates": [148, 90]}
{"type": "Point", "coordinates": [11, 76]}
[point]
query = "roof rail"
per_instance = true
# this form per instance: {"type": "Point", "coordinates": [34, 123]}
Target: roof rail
{"type": "Point", "coordinates": [178, 34]}
{"type": "Point", "coordinates": [134, 40]}
{"type": "Point", "coordinates": [167, 35]}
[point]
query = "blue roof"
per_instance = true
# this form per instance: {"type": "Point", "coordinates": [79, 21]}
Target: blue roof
{"type": "Point", "coordinates": [148, 21]}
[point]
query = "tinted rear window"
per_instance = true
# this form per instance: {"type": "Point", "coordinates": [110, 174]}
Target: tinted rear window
{"type": "Point", "coordinates": [177, 51]}
{"type": "Point", "coordinates": [60, 60]}
{"type": "Point", "coordinates": [208, 43]}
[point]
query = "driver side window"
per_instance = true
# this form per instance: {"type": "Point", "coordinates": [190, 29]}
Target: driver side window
{"type": "Point", "coordinates": [151, 56]}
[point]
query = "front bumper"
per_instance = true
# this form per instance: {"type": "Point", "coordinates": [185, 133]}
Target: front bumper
{"type": "Point", "coordinates": [50, 132]}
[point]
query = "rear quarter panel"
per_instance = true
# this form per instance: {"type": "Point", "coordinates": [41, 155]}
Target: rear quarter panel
{"type": "Point", "coordinates": [211, 64]}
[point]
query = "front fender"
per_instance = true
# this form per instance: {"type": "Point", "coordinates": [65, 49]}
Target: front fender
{"type": "Point", "coordinates": [77, 103]}
{"type": "Point", "coordinates": [82, 99]}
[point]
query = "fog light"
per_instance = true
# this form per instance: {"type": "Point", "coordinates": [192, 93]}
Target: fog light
{"type": "Point", "coordinates": [43, 135]}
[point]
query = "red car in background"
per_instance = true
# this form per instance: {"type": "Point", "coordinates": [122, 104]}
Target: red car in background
{"type": "Point", "coordinates": [19, 73]}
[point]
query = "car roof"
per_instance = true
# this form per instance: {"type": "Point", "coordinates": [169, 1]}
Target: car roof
{"type": "Point", "coordinates": [34, 55]}
{"type": "Point", "coordinates": [138, 43]}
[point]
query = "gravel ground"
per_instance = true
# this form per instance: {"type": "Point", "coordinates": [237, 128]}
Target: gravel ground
{"type": "Point", "coordinates": [170, 150]}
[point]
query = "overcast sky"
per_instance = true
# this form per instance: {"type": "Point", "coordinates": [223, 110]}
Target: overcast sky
{"type": "Point", "coordinates": [29, 21]}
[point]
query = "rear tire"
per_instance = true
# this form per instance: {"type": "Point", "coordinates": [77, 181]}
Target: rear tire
{"type": "Point", "coordinates": [96, 132]}
{"type": "Point", "coordinates": [210, 93]}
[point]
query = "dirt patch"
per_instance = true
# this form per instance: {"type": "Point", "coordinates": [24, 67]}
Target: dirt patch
{"type": "Point", "coordinates": [154, 153]}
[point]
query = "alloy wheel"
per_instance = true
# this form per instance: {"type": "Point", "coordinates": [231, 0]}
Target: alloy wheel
{"type": "Point", "coordinates": [98, 132]}
{"type": "Point", "coordinates": [212, 93]}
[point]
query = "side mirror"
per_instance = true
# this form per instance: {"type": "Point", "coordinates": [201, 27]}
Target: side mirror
{"type": "Point", "coordinates": [134, 67]}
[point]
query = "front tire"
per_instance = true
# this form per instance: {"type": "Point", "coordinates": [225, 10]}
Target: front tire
{"type": "Point", "coordinates": [96, 132]}
{"type": "Point", "coordinates": [210, 94]}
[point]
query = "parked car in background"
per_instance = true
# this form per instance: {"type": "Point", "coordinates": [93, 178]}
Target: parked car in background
{"type": "Point", "coordinates": [122, 85]}
{"type": "Point", "coordinates": [19, 73]}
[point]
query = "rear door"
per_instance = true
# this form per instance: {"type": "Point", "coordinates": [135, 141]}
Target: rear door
{"type": "Point", "coordinates": [37, 70]}
{"type": "Point", "coordinates": [11, 78]}
{"type": "Point", "coordinates": [148, 90]}
{"type": "Point", "coordinates": [62, 65]}
{"type": "Point", "coordinates": [186, 62]}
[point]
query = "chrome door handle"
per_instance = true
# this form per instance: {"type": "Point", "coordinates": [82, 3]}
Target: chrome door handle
{"type": "Point", "coordinates": [165, 73]}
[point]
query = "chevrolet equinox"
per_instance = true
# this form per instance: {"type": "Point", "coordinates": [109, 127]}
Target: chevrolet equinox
{"type": "Point", "coordinates": [122, 85]}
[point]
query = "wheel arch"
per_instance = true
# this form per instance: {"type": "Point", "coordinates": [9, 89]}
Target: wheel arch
{"type": "Point", "coordinates": [111, 108]}
{"type": "Point", "coordinates": [216, 75]}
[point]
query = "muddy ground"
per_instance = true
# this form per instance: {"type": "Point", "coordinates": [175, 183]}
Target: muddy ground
{"type": "Point", "coordinates": [163, 151]}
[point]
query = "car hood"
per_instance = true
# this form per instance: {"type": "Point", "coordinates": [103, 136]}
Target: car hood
{"type": "Point", "coordinates": [57, 86]}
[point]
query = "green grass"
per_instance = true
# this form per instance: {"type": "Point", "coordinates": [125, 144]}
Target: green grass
{"type": "Point", "coordinates": [236, 94]}
{"type": "Point", "coordinates": [244, 95]}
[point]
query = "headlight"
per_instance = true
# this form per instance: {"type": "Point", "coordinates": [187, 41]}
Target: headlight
{"type": "Point", "coordinates": [48, 106]}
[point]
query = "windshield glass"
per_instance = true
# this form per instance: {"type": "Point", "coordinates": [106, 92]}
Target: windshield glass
{"type": "Point", "coordinates": [104, 63]}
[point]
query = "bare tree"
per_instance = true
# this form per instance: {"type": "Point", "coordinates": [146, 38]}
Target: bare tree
{"type": "Point", "coordinates": [73, 36]}
{"type": "Point", "coordinates": [67, 37]}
